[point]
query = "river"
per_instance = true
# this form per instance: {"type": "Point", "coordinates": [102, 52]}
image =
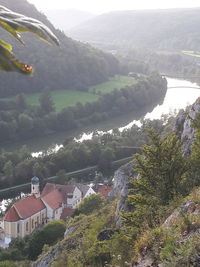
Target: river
{"type": "Point", "coordinates": [175, 99]}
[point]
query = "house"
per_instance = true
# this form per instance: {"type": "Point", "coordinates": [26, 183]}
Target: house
{"type": "Point", "coordinates": [86, 190]}
{"type": "Point", "coordinates": [104, 190]}
{"type": "Point", "coordinates": [54, 202]}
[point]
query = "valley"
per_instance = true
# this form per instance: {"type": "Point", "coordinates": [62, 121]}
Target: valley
{"type": "Point", "coordinates": [102, 139]}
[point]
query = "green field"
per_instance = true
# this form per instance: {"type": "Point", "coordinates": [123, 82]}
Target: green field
{"type": "Point", "coordinates": [66, 98]}
{"type": "Point", "coordinates": [191, 53]}
{"type": "Point", "coordinates": [63, 98]}
{"type": "Point", "coordinates": [116, 82]}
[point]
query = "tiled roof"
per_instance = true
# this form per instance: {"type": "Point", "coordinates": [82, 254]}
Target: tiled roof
{"type": "Point", "coordinates": [67, 212]}
{"type": "Point", "coordinates": [54, 199]}
{"type": "Point", "coordinates": [11, 215]}
{"type": "Point", "coordinates": [82, 187]}
{"type": "Point", "coordinates": [64, 189]}
{"type": "Point", "coordinates": [104, 190]}
{"type": "Point", "coordinates": [24, 208]}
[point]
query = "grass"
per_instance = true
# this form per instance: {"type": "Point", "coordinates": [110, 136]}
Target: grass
{"type": "Point", "coordinates": [191, 53]}
{"type": "Point", "coordinates": [116, 82]}
{"type": "Point", "coordinates": [66, 98]}
{"type": "Point", "coordinates": [63, 98]}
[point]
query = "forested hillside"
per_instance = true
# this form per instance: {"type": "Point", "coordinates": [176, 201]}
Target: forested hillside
{"type": "Point", "coordinates": [68, 18]}
{"type": "Point", "coordinates": [158, 29]}
{"type": "Point", "coordinates": [73, 66]}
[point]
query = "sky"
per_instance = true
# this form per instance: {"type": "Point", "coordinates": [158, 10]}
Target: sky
{"type": "Point", "coordinates": [102, 6]}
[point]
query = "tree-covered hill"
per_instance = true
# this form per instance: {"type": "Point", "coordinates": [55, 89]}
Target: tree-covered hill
{"type": "Point", "coordinates": [68, 18]}
{"type": "Point", "coordinates": [163, 29]}
{"type": "Point", "coordinates": [72, 66]}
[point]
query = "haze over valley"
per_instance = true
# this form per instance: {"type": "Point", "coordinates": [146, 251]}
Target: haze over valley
{"type": "Point", "coordinates": [99, 133]}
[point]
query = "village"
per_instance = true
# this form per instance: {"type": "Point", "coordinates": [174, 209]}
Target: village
{"type": "Point", "coordinates": [54, 202]}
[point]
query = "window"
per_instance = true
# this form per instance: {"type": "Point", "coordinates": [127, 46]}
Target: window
{"type": "Point", "coordinates": [18, 228]}
{"type": "Point", "coordinates": [32, 223]}
{"type": "Point", "coordinates": [27, 227]}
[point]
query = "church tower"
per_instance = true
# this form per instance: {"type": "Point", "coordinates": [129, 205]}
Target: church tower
{"type": "Point", "coordinates": [35, 186]}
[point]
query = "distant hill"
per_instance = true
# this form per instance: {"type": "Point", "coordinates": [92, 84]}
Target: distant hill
{"type": "Point", "coordinates": [67, 19]}
{"type": "Point", "coordinates": [157, 29]}
{"type": "Point", "coordinates": [73, 65]}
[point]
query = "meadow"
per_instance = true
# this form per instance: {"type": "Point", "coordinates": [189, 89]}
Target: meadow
{"type": "Point", "coordinates": [66, 98]}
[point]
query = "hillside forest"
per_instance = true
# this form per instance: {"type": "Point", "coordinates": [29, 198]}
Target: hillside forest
{"type": "Point", "coordinates": [152, 215]}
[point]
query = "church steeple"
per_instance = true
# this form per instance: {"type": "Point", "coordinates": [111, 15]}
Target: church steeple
{"type": "Point", "coordinates": [35, 186]}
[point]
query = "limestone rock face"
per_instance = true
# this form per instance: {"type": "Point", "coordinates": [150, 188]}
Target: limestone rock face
{"type": "Point", "coordinates": [53, 254]}
{"type": "Point", "coordinates": [49, 257]}
{"type": "Point", "coordinates": [183, 127]}
{"type": "Point", "coordinates": [121, 180]}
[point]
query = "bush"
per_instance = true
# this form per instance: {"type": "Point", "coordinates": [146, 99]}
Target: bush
{"type": "Point", "coordinates": [88, 205]}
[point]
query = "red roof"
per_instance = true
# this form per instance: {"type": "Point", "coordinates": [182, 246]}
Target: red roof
{"type": "Point", "coordinates": [24, 208]}
{"type": "Point", "coordinates": [104, 190]}
{"type": "Point", "coordinates": [54, 199]}
{"type": "Point", "coordinates": [67, 212]}
{"type": "Point", "coordinates": [11, 215]}
{"type": "Point", "coordinates": [64, 189]}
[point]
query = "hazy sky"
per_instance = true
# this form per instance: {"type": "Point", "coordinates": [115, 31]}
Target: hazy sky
{"type": "Point", "coordinates": [100, 6]}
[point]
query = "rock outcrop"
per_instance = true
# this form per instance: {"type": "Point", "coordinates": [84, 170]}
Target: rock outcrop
{"type": "Point", "coordinates": [47, 259]}
{"type": "Point", "coordinates": [183, 126]}
{"type": "Point", "coordinates": [182, 225]}
{"type": "Point", "coordinates": [121, 180]}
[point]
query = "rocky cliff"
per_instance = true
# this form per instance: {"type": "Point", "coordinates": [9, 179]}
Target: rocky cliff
{"type": "Point", "coordinates": [121, 180]}
{"type": "Point", "coordinates": [183, 126]}
{"type": "Point", "coordinates": [176, 242]}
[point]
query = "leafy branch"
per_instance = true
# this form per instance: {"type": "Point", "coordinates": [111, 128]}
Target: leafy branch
{"type": "Point", "coordinates": [15, 24]}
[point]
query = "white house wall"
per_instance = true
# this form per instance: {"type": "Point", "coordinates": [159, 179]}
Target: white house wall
{"type": "Point", "coordinates": [90, 192]}
{"type": "Point", "coordinates": [58, 213]}
{"type": "Point", "coordinates": [50, 214]}
{"type": "Point", "coordinates": [77, 196]}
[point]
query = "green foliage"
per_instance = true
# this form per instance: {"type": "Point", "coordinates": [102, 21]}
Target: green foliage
{"type": "Point", "coordinates": [82, 248]}
{"type": "Point", "coordinates": [74, 156]}
{"type": "Point", "coordinates": [14, 264]}
{"type": "Point", "coordinates": [116, 82]}
{"type": "Point", "coordinates": [31, 246]}
{"type": "Point", "coordinates": [49, 234]}
{"type": "Point", "coordinates": [90, 204]}
{"type": "Point", "coordinates": [27, 121]}
{"type": "Point", "coordinates": [54, 231]}
{"type": "Point", "coordinates": [46, 103]}
{"type": "Point", "coordinates": [160, 168]}
{"type": "Point", "coordinates": [16, 23]}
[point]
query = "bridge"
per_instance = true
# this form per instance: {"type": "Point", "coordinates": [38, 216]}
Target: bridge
{"type": "Point", "coordinates": [179, 76]}
{"type": "Point", "coordinates": [183, 87]}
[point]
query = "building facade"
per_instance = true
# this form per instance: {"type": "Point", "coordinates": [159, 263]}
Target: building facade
{"type": "Point", "coordinates": [54, 202]}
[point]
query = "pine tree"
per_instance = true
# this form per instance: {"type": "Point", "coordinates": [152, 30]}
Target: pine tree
{"type": "Point", "coordinates": [161, 169]}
